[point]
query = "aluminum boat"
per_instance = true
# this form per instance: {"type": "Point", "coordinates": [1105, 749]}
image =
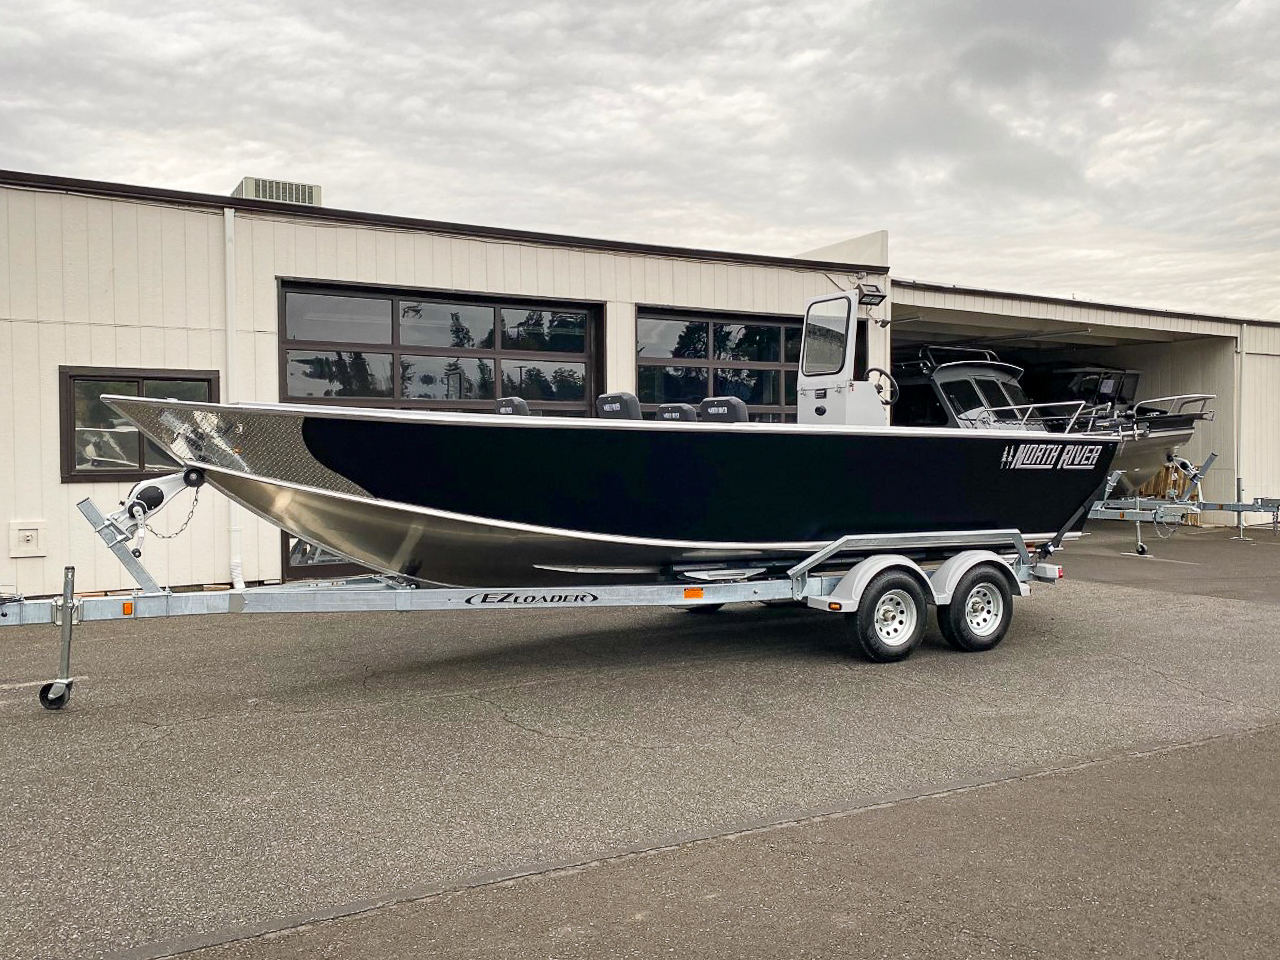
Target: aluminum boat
{"type": "Point", "coordinates": [487, 499]}
{"type": "Point", "coordinates": [972, 389]}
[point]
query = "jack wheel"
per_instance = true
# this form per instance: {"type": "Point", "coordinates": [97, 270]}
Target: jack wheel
{"type": "Point", "coordinates": [1140, 549]}
{"type": "Point", "coordinates": [980, 612]}
{"type": "Point", "coordinates": [55, 695]}
{"type": "Point", "coordinates": [889, 621]}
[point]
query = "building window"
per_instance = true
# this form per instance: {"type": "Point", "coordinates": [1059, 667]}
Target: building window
{"type": "Point", "coordinates": [444, 352]}
{"type": "Point", "coordinates": [685, 358]}
{"type": "Point", "coordinates": [374, 347]}
{"type": "Point", "coordinates": [100, 444]}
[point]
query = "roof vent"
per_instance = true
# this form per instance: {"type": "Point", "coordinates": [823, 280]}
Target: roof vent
{"type": "Point", "coordinates": [258, 189]}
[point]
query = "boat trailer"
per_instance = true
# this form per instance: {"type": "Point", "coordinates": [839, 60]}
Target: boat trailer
{"type": "Point", "coordinates": [1171, 511]}
{"type": "Point", "coordinates": [883, 592]}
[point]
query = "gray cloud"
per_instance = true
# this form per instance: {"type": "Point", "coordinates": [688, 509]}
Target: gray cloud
{"type": "Point", "coordinates": [1111, 149]}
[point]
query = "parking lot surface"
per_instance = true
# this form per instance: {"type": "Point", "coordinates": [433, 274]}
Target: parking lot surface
{"type": "Point", "coordinates": [219, 778]}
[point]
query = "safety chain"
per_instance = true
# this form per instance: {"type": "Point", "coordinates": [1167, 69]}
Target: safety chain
{"type": "Point", "coordinates": [190, 514]}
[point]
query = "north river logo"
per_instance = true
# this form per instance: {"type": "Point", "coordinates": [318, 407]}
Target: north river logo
{"type": "Point", "coordinates": [502, 596]}
{"type": "Point", "coordinates": [1051, 456]}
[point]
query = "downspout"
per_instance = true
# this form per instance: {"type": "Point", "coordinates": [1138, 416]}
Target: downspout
{"type": "Point", "coordinates": [1240, 338]}
{"type": "Point", "coordinates": [228, 386]}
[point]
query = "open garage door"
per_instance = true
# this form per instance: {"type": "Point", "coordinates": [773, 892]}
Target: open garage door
{"type": "Point", "coordinates": [1166, 354]}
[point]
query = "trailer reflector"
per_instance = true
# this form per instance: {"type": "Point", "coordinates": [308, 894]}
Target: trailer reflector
{"type": "Point", "coordinates": [693, 593]}
{"type": "Point", "coordinates": [127, 608]}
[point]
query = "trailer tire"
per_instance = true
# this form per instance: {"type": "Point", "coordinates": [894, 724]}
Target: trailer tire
{"type": "Point", "coordinates": [980, 612]}
{"type": "Point", "coordinates": [889, 621]}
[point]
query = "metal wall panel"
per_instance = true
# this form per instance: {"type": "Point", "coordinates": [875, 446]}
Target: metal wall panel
{"type": "Point", "coordinates": [94, 282]}
{"type": "Point", "coordinates": [1260, 425]}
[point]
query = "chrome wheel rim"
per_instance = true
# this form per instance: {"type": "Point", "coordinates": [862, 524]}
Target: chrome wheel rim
{"type": "Point", "coordinates": [895, 618]}
{"type": "Point", "coordinates": [983, 610]}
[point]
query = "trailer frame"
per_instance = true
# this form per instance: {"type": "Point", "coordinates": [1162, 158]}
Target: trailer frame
{"type": "Point", "coordinates": [833, 579]}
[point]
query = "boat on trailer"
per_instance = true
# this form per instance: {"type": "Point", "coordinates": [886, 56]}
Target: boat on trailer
{"type": "Point", "coordinates": [842, 512]}
{"type": "Point", "coordinates": [415, 494]}
{"type": "Point", "coordinates": [967, 388]}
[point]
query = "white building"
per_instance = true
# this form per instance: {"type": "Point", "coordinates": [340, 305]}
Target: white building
{"type": "Point", "coordinates": [113, 288]}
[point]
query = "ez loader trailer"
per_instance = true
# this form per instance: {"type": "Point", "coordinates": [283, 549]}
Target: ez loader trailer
{"type": "Point", "coordinates": [884, 595]}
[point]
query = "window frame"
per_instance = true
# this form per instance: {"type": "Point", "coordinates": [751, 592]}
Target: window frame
{"type": "Point", "coordinates": [68, 376]}
{"type": "Point", "coordinates": [850, 316]}
{"type": "Point", "coordinates": [785, 412]}
{"type": "Point", "coordinates": [591, 358]}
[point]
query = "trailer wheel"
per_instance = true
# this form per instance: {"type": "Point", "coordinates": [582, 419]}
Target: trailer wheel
{"type": "Point", "coordinates": [889, 621]}
{"type": "Point", "coordinates": [980, 612]}
{"type": "Point", "coordinates": [55, 695]}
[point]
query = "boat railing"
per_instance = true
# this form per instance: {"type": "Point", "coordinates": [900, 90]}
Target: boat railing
{"type": "Point", "coordinates": [1035, 414]}
{"type": "Point", "coordinates": [1182, 404]}
{"type": "Point", "coordinates": [975, 353]}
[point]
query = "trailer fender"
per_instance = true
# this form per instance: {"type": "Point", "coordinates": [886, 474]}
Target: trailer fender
{"type": "Point", "coordinates": [848, 592]}
{"type": "Point", "coordinates": [944, 579]}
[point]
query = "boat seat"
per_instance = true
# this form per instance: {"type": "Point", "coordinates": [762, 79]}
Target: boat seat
{"type": "Point", "coordinates": [514, 406]}
{"type": "Point", "coordinates": [723, 410]}
{"type": "Point", "coordinates": [618, 406]}
{"type": "Point", "coordinates": [677, 411]}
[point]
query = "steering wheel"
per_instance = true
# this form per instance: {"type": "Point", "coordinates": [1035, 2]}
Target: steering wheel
{"type": "Point", "coordinates": [880, 376]}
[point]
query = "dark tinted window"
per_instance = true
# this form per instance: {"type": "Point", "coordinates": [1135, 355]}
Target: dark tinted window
{"type": "Point", "coordinates": [543, 379]}
{"type": "Point", "coordinates": [311, 316]}
{"type": "Point", "coordinates": [97, 442]}
{"type": "Point", "coordinates": [463, 325]}
{"type": "Point", "coordinates": [995, 397]}
{"type": "Point", "coordinates": [101, 438]}
{"type": "Point", "coordinates": [751, 386]}
{"type": "Point", "coordinates": [338, 373]}
{"type": "Point", "coordinates": [741, 341]}
{"type": "Point", "coordinates": [962, 396]}
{"type": "Point", "coordinates": [793, 337]}
{"type": "Point", "coordinates": [446, 378]}
{"type": "Point", "coordinates": [544, 330]}
{"type": "Point", "coordinates": [671, 384]}
{"type": "Point", "coordinates": [671, 338]}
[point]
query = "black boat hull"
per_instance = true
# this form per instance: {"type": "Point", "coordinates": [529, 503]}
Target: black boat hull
{"type": "Point", "coordinates": [487, 500]}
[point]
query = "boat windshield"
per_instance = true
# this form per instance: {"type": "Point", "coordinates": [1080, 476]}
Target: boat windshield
{"type": "Point", "coordinates": [962, 397]}
{"type": "Point", "coordinates": [1014, 390]}
{"type": "Point", "coordinates": [995, 397]}
{"type": "Point", "coordinates": [826, 328]}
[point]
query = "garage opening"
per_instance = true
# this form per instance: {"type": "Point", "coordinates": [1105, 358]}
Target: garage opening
{"type": "Point", "coordinates": [1056, 359]}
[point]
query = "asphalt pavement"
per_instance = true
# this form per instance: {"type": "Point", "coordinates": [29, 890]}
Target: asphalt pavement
{"type": "Point", "coordinates": [321, 784]}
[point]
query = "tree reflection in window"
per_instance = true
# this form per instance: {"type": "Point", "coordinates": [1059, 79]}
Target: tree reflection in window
{"type": "Point", "coordinates": [446, 378]}
{"type": "Point", "coordinates": [544, 330]}
{"type": "Point", "coordinates": [426, 324]}
{"type": "Point", "coordinates": [539, 380]}
{"type": "Point", "coordinates": [747, 341]}
{"type": "Point", "coordinates": [339, 374]}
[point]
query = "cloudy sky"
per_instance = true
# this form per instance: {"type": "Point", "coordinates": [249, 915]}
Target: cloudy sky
{"type": "Point", "coordinates": [1107, 149]}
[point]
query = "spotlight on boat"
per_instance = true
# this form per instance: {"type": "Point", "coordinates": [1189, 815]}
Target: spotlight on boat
{"type": "Point", "coordinates": [870, 294]}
